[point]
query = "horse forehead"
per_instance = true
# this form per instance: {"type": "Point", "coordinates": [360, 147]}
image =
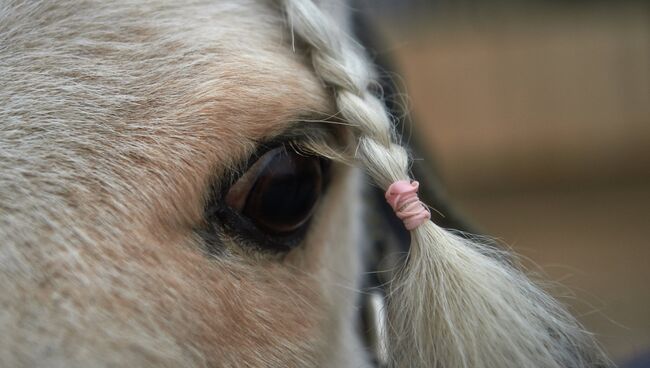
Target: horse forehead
{"type": "Point", "coordinates": [108, 67]}
{"type": "Point", "coordinates": [111, 93]}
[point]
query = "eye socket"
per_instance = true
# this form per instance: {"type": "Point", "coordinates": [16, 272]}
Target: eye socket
{"type": "Point", "coordinates": [279, 192]}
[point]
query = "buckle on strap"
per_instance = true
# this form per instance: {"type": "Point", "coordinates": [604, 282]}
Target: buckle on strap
{"type": "Point", "coordinates": [376, 322]}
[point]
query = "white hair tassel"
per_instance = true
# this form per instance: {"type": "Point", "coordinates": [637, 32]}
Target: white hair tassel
{"type": "Point", "coordinates": [455, 303]}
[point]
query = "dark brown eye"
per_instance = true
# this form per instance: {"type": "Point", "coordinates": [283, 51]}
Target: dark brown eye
{"type": "Point", "coordinates": [279, 192]}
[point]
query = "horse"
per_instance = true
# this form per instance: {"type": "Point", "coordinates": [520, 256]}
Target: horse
{"type": "Point", "coordinates": [185, 184]}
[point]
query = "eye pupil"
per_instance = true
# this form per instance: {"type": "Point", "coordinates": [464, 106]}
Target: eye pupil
{"type": "Point", "coordinates": [285, 192]}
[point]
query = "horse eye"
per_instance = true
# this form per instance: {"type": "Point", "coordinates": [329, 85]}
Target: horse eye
{"type": "Point", "coordinates": [279, 192]}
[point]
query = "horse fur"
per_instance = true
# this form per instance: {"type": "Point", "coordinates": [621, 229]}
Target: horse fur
{"type": "Point", "coordinates": [115, 118]}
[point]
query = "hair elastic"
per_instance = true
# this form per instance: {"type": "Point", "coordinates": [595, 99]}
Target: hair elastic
{"type": "Point", "coordinates": [402, 195]}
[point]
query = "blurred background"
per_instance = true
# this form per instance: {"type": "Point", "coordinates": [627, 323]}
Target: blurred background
{"type": "Point", "coordinates": [537, 114]}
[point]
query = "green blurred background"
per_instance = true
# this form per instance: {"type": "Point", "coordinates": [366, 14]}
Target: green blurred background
{"type": "Point", "coordinates": [537, 114]}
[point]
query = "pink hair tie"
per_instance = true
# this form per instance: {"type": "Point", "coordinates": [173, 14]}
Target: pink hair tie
{"type": "Point", "coordinates": [402, 195]}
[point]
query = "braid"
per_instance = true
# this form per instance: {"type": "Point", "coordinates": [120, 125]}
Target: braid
{"type": "Point", "coordinates": [454, 304]}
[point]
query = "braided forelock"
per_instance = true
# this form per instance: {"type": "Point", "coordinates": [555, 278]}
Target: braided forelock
{"type": "Point", "coordinates": [341, 64]}
{"type": "Point", "coordinates": [454, 304]}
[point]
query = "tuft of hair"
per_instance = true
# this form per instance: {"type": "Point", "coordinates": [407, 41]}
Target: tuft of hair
{"type": "Point", "coordinates": [455, 303]}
